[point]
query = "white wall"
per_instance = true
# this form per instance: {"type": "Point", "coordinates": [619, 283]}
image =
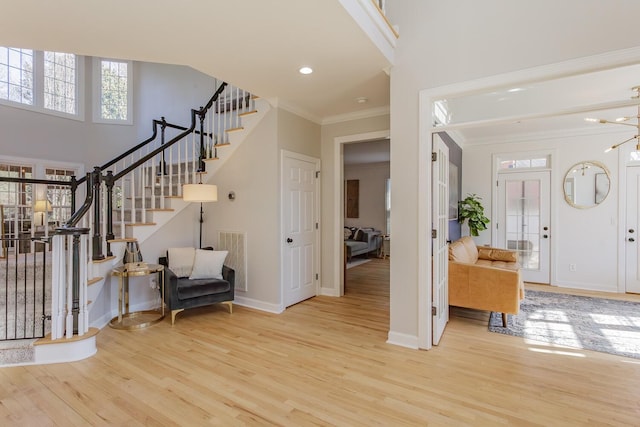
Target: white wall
{"type": "Point", "coordinates": [332, 235]}
{"type": "Point", "coordinates": [585, 237]}
{"type": "Point", "coordinates": [443, 43]}
{"type": "Point", "coordinates": [373, 180]}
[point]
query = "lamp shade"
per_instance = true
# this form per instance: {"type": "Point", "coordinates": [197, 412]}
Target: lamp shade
{"type": "Point", "coordinates": [200, 193]}
{"type": "Point", "coordinates": [42, 206]}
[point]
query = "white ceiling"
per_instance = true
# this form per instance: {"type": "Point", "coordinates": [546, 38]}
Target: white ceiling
{"type": "Point", "coordinates": [255, 44]}
{"type": "Point", "coordinates": [548, 108]}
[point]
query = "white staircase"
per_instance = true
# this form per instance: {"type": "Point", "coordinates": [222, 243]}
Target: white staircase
{"type": "Point", "coordinates": [145, 201]}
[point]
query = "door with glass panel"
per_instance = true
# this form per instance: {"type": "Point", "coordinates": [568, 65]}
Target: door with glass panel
{"type": "Point", "coordinates": [523, 222]}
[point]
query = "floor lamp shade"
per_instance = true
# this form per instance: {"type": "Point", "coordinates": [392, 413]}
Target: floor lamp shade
{"type": "Point", "coordinates": [200, 193]}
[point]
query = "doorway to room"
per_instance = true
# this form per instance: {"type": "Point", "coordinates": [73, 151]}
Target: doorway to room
{"type": "Point", "coordinates": [364, 203]}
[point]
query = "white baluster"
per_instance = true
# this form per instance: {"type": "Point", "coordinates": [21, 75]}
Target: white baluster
{"type": "Point", "coordinates": [83, 314]}
{"type": "Point", "coordinates": [69, 288]}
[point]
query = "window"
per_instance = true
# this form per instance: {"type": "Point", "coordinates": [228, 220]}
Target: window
{"type": "Point", "coordinates": [112, 91]}
{"type": "Point", "coordinates": [16, 75]}
{"type": "Point", "coordinates": [524, 163]}
{"type": "Point", "coordinates": [16, 201]}
{"type": "Point", "coordinates": [60, 82]}
{"type": "Point", "coordinates": [59, 195]}
{"type": "Point", "coordinates": [41, 81]}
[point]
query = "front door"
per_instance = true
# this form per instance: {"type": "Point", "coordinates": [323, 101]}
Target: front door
{"type": "Point", "coordinates": [300, 229]}
{"type": "Point", "coordinates": [440, 215]}
{"type": "Point", "coordinates": [524, 221]}
{"type": "Point", "coordinates": [632, 254]}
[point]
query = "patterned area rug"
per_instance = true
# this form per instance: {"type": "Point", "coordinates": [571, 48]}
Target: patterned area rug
{"type": "Point", "coordinates": [608, 326]}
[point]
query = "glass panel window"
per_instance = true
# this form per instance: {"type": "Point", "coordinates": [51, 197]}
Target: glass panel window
{"type": "Point", "coordinates": [114, 90]}
{"type": "Point", "coordinates": [46, 82]}
{"type": "Point", "coordinates": [59, 195]}
{"type": "Point", "coordinates": [16, 199]}
{"type": "Point", "coordinates": [60, 82]}
{"type": "Point", "coordinates": [524, 163]}
{"type": "Point", "coordinates": [387, 205]}
{"type": "Point", "coordinates": [16, 75]}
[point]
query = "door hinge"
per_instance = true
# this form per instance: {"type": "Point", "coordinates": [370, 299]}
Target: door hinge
{"type": "Point", "coordinates": [317, 174]}
{"type": "Point", "coordinates": [434, 311]}
{"type": "Point", "coordinates": [434, 156]}
{"type": "Point", "coordinates": [317, 226]}
{"type": "Point", "coordinates": [317, 276]}
{"type": "Point", "coordinates": [434, 234]}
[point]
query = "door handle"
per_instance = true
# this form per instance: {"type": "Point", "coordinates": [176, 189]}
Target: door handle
{"type": "Point", "coordinates": [545, 228]}
{"type": "Point", "coordinates": [631, 239]}
{"type": "Point", "coordinates": [631, 230]}
{"type": "Point", "coordinates": [546, 236]}
{"type": "Point", "coordinates": [289, 240]}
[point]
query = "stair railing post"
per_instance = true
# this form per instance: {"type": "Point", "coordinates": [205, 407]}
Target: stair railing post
{"type": "Point", "coordinates": [74, 187]}
{"type": "Point", "coordinates": [163, 164]}
{"type": "Point", "coordinates": [201, 164]}
{"type": "Point", "coordinates": [109, 182]}
{"type": "Point", "coordinates": [97, 237]}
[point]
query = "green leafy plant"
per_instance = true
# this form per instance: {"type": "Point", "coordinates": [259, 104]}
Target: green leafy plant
{"type": "Point", "coordinates": [470, 209]}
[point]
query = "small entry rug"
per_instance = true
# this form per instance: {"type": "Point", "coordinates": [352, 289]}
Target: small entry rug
{"type": "Point", "coordinates": [357, 261]}
{"type": "Point", "coordinates": [598, 324]}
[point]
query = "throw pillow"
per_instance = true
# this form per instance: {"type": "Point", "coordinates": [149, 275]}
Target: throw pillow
{"type": "Point", "coordinates": [358, 235]}
{"type": "Point", "coordinates": [208, 264]}
{"type": "Point", "coordinates": [181, 260]}
{"type": "Point", "coordinates": [347, 233]}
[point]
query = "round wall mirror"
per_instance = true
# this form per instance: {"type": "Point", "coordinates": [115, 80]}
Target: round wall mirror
{"type": "Point", "coordinates": [586, 184]}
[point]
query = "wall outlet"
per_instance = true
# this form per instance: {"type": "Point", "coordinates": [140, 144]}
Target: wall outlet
{"type": "Point", "coordinates": [572, 267]}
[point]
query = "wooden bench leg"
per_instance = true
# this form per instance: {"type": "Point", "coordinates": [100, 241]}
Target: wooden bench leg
{"type": "Point", "coordinates": [504, 320]}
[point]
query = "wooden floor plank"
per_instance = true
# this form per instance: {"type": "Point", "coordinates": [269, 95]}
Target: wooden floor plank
{"type": "Point", "coordinates": [323, 362]}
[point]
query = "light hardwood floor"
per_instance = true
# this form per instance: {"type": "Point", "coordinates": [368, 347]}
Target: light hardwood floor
{"type": "Point", "coordinates": [322, 362]}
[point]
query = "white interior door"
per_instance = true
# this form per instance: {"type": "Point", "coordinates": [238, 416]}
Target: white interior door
{"type": "Point", "coordinates": [440, 215]}
{"type": "Point", "coordinates": [524, 219]}
{"type": "Point", "coordinates": [632, 254]}
{"type": "Point", "coordinates": [299, 225]}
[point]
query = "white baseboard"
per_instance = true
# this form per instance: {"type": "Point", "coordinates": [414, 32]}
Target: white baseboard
{"type": "Point", "coordinates": [258, 305]}
{"type": "Point", "coordinates": [403, 340]}
{"type": "Point", "coordinates": [330, 292]}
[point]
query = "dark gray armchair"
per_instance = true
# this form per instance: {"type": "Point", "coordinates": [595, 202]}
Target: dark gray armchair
{"type": "Point", "coordinates": [181, 293]}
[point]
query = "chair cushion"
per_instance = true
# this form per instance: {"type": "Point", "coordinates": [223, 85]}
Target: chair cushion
{"type": "Point", "coordinates": [208, 264]}
{"type": "Point", "coordinates": [497, 254]}
{"type": "Point", "coordinates": [188, 288]}
{"type": "Point", "coordinates": [472, 249]}
{"type": "Point", "coordinates": [181, 260]}
{"type": "Point", "coordinates": [458, 253]}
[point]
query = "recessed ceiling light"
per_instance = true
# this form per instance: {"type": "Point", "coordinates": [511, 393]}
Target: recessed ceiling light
{"type": "Point", "coordinates": [515, 89]}
{"type": "Point", "coordinates": [306, 70]}
{"type": "Point", "coordinates": [362, 100]}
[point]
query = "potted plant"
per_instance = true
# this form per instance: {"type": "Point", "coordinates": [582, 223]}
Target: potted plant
{"type": "Point", "coordinates": [470, 209]}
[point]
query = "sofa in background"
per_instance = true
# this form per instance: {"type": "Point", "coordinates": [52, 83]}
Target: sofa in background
{"type": "Point", "coordinates": [484, 278]}
{"type": "Point", "coordinates": [361, 241]}
{"type": "Point", "coordinates": [182, 291]}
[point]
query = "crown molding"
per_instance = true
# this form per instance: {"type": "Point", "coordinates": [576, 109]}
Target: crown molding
{"type": "Point", "coordinates": [357, 115]}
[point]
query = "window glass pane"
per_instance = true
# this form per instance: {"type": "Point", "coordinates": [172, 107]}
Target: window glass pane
{"type": "Point", "coordinates": [59, 195]}
{"type": "Point", "coordinates": [60, 82]}
{"type": "Point", "coordinates": [16, 75]}
{"type": "Point", "coordinates": [114, 90]}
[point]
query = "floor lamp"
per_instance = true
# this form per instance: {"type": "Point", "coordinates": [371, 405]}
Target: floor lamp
{"type": "Point", "coordinates": [202, 193]}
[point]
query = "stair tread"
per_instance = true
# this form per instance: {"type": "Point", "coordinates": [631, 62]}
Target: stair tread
{"type": "Point", "coordinates": [105, 259]}
{"type": "Point", "coordinates": [211, 158]}
{"type": "Point", "coordinates": [136, 224]}
{"type": "Point", "coordinates": [247, 113]}
{"type": "Point", "coordinates": [160, 210]}
{"type": "Point", "coordinates": [234, 129]}
{"type": "Point", "coordinates": [94, 280]}
{"type": "Point", "coordinates": [124, 239]}
{"type": "Point", "coordinates": [223, 144]}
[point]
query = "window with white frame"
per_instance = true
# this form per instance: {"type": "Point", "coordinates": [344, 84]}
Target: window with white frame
{"type": "Point", "coordinates": [46, 82]}
{"type": "Point", "coordinates": [59, 195]}
{"type": "Point", "coordinates": [387, 205]}
{"type": "Point", "coordinates": [112, 91]}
